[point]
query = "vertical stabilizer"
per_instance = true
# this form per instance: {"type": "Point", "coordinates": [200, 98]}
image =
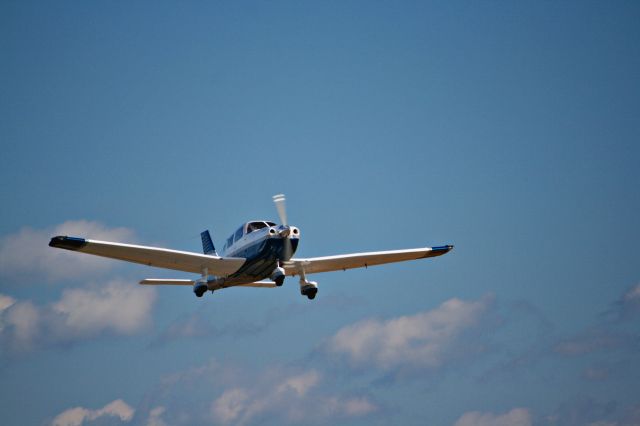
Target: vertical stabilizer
{"type": "Point", "coordinates": [207, 244]}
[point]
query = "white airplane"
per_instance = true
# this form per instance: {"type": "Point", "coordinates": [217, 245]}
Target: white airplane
{"type": "Point", "coordinates": [256, 251]}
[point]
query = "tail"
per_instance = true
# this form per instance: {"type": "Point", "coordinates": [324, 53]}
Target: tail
{"type": "Point", "coordinates": [207, 244]}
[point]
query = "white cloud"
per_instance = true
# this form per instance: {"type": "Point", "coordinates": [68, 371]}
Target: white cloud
{"type": "Point", "coordinates": [155, 416]}
{"type": "Point", "coordinates": [78, 415]}
{"type": "Point", "coordinates": [300, 384]}
{"type": "Point", "coordinates": [293, 398]}
{"type": "Point", "coordinates": [633, 294]}
{"type": "Point", "coordinates": [424, 339]}
{"type": "Point", "coordinates": [515, 417]}
{"type": "Point", "coordinates": [229, 405]}
{"type": "Point", "coordinates": [630, 303]}
{"type": "Point", "coordinates": [121, 307]}
{"type": "Point", "coordinates": [26, 255]}
{"type": "Point", "coordinates": [116, 307]}
{"type": "Point", "coordinates": [359, 407]}
{"type": "Point", "coordinates": [5, 302]}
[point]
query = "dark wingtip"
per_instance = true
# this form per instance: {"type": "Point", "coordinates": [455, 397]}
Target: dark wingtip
{"type": "Point", "coordinates": [68, 243]}
{"type": "Point", "coordinates": [443, 248]}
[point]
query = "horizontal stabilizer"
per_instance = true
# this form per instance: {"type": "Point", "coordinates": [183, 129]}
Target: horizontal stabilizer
{"type": "Point", "coordinates": [259, 284]}
{"type": "Point", "coordinates": [157, 281]}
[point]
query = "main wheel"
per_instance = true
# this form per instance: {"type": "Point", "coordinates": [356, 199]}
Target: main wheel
{"type": "Point", "coordinates": [279, 281]}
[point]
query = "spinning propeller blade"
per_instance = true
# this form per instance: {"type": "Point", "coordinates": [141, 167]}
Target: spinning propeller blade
{"type": "Point", "coordinates": [282, 211]}
{"type": "Point", "coordinates": [279, 201]}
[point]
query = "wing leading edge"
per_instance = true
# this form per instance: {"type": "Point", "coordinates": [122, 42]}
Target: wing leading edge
{"type": "Point", "coordinates": [152, 256]}
{"type": "Point", "coordinates": [360, 260]}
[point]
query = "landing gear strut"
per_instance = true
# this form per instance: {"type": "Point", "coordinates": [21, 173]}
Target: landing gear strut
{"type": "Point", "coordinates": [308, 288]}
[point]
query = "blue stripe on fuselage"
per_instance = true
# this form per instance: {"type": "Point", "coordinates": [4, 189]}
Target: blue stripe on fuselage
{"type": "Point", "coordinates": [262, 258]}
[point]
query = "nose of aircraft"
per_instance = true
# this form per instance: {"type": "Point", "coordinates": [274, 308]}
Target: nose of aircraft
{"type": "Point", "coordinates": [288, 231]}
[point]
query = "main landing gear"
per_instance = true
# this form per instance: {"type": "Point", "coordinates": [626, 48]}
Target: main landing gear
{"type": "Point", "coordinates": [310, 292]}
{"type": "Point", "coordinates": [200, 289]}
{"type": "Point", "coordinates": [308, 288]}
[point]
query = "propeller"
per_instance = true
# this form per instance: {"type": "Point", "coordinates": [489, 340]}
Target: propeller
{"type": "Point", "coordinates": [279, 201]}
{"type": "Point", "coordinates": [282, 210]}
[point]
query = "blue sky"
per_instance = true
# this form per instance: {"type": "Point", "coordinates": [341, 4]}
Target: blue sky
{"type": "Point", "coordinates": [506, 128]}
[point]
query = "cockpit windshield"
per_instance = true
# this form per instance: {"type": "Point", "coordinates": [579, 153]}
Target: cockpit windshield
{"type": "Point", "coordinates": [254, 226]}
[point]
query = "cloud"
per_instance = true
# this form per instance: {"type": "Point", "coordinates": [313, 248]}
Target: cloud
{"type": "Point", "coordinates": [120, 307]}
{"type": "Point", "coordinates": [515, 417]}
{"type": "Point", "coordinates": [230, 405]}
{"type": "Point", "coordinates": [591, 412]}
{"type": "Point", "coordinates": [629, 304]}
{"type": "Point", "coordinates": [609, 333]}
{"type": "Point", "coordinates": [155, 417]}
{"type": "Point", "coordinates": [289, 397]}
{"type": "Point", "coordinates": [78, 415]}
{"type": "Point", "coordinates": [591, 340]}
{"type": "Point", "coordinates": [583, 411]}
{"type": "Point", "coordinates": [5, 302]}
{"type": "Point", "coordinates": [117, 307]}
{"type": "Point", "coordinates": [425, 339]}
{"type": "Point", "coordinates": [26, 255]}
{"type": "Point", "coordinates": [230, 394]}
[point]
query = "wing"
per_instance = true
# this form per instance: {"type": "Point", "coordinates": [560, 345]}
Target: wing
{"type": "Point", "coordinates": [359, 260]}
{"type": "Point", "coordinates": [152, 256]}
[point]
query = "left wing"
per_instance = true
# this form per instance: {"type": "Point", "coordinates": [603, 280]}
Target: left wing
{"type": "Point", "coordinates": [359, 260]}
{"type": "Point", "coordinates": [152, 256]}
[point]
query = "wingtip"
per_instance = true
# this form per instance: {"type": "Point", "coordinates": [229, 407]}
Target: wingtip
{"type": "Point", "coordinates": [68, 243]}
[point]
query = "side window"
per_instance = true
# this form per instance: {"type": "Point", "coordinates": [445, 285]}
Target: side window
{"type": "Point", "coordinates": [238, 234]}
{"type": "Point", "coordinates": [230, 241]}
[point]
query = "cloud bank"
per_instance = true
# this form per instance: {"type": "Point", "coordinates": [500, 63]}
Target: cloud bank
{"type": "Point", "coordinates": [232, 395]}
{"type": "Point", "coordinates": [515, 417]}
{"type": "Point", "coordinates": [78, 415]}
{"type": "Point", "coordinates": [117, 307]}
{"type": "Point", "coordinates": [426, 339]}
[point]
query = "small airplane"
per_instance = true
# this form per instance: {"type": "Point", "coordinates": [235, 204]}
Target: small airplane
{"type": "Point", "coordinates": [257, 251]}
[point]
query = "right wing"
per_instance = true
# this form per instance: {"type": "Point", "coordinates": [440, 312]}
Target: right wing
{"type": "Point", "coordinates": [152, 256]}
{"type": "Point", "coordinates": [359, 260]}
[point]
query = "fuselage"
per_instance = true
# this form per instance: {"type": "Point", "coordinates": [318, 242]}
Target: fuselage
{"type": "Point", "coordinates": [264, 245]}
